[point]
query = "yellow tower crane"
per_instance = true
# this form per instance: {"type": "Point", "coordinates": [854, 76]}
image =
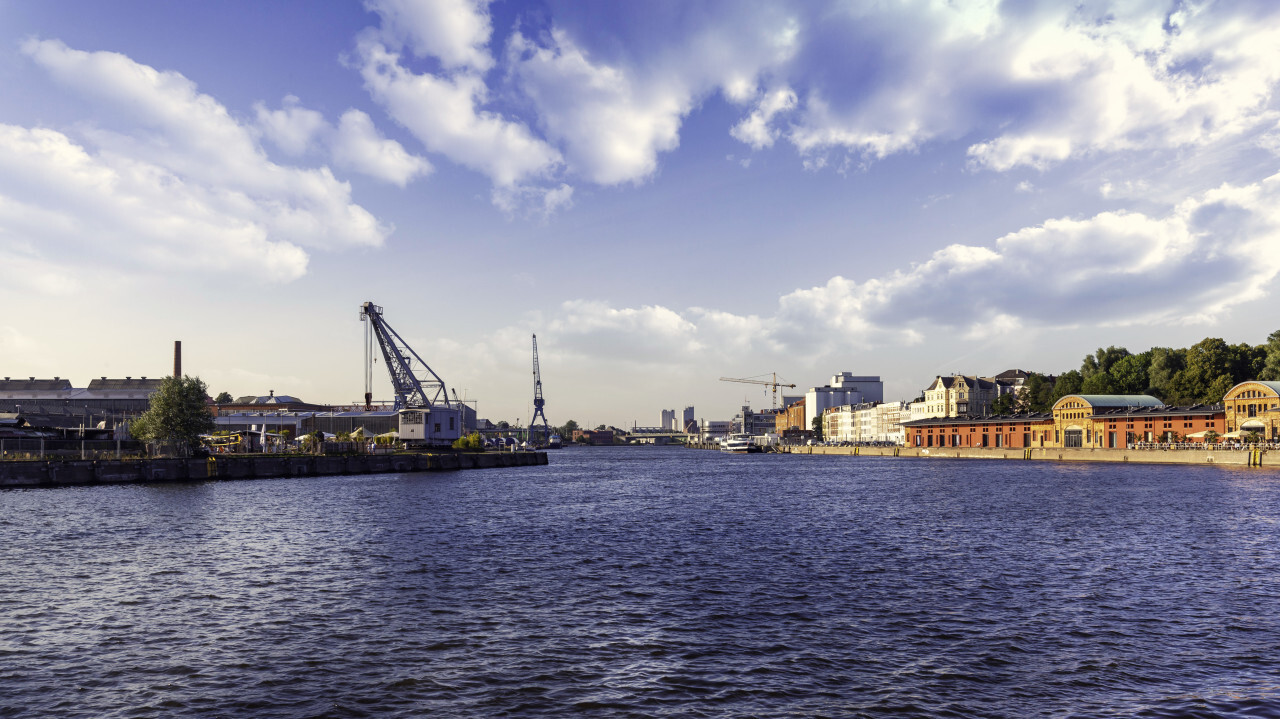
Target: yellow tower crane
{"type": "Point", "coordinates": [774, 384]}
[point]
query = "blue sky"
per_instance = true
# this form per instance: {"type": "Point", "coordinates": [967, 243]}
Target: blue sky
{"type": "Point", "coordinates": [665, 193]}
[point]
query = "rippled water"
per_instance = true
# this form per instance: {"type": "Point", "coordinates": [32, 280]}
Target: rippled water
{"type": "Point", "coordinates": [651, 582]}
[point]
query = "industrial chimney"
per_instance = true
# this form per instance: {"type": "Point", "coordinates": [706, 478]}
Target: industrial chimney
{"type": "Point", "coordinates": [177, 359]}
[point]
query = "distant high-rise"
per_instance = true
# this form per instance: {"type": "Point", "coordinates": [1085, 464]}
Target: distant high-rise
{"type": "Point", "coordinates": [688, 423]}
{"type": "Point", "coordinates": [668, 420]}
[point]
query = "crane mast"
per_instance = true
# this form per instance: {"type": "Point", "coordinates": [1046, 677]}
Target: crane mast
{"type": "Point", "coordinates": [538, 402]}
{"type": "Point", "coordinates": [415, 384]}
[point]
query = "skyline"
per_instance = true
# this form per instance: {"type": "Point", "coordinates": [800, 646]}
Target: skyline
{"type": "Point", "coordinates": [664, 194]}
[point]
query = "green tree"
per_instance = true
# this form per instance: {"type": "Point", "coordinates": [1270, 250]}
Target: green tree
{"type": "Point", "coordinates": [1130, 373]}
{"type": "Point", "coordinates": [1005, 404]}
{"type": "Point", "coordinates": [817, 427]}
{"type": "Point", "coordinates": [177, 415]}
{"type": "Point", "coordinates": [566, 430]}
{"type": "Point", "coordinates": [1068, 382]}
{"type": "Point", "coordinates": [1165, 364]}
{"type": "Point", "coordinates": [1101, 361]}
{"type": "Point", "coordinates": [1098, 383]}
{"type": "Point", "coordinates": [1037, 393]}
{"type": "Point", "coordinates": [223, 398]}
{"type": "Point", "coordinates": [1271, 365]}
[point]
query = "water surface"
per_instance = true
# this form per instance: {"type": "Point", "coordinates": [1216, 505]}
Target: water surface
{"type": "Point", "coordinates": [651, 582]}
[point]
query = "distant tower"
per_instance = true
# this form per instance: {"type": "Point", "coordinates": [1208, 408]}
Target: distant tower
{"type": "Point", "coordinates": [538, 401]}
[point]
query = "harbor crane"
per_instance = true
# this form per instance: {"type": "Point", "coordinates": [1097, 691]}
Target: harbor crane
{"type": "Point", "coordinates": [538, 402]}
{"type": "Point", "coordinates": [415, 384]}
{"type": "Point", "coordinates": [774, 385]}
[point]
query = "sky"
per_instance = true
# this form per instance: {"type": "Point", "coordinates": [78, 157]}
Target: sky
{"type": "Point", "coordinates": [666, 193]}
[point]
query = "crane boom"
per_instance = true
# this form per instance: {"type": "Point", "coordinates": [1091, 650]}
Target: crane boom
{"type": "Point", "coordinates": [415, 384]}
{"type": "Point", "coordinates": [774, 385]}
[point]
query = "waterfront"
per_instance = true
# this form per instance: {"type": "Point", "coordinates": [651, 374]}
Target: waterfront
{"type": "Point", "coordinates": [652, 581]}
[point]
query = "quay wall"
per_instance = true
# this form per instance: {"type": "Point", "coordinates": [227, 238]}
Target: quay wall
{"type": "Point", "coordinates": [18, 474]}
{"type": "Point", "coordinates": [1233, 458]}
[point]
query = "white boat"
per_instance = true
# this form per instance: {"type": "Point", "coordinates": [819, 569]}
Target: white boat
{"type": "Point", "coordinates": [739, 444]}
{"type": "Point", "coordinates": [554, 442]}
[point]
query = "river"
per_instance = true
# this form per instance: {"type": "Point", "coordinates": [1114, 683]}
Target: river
{"type": "Point", "coordinates": [651, 582]}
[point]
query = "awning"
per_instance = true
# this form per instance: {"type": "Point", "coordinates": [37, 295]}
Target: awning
{"type": "Point", "coordinates": [1198, 435]}
{"type": "Point", "coordinates": [1238, 434]}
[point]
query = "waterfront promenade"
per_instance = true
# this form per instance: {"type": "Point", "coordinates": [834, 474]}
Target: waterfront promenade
{"type": "Point", "coordinates": [1229, 457]}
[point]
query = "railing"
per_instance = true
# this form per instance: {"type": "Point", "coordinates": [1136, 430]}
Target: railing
{"type": "Point", "coordinates": [1217, 447]}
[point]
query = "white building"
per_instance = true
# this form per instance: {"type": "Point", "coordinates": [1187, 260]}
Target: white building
{"type": "Point", "coordinates": [845, 388]}
{"type": "Point", "coordinates": [868, 422]}
{"type": "Point", "coordinates": [714, 429]}
{"type": "Point", "coordinates": [669, 420]}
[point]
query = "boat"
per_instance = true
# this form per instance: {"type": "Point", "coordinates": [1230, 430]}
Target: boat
{"type": "Point", "coordinates": [739, 444]}
{"type": "Point", "coordinates": [554, 442]}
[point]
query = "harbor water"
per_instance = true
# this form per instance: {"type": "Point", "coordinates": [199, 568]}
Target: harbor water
{"type": "Point", "coordinates": [651, 582]}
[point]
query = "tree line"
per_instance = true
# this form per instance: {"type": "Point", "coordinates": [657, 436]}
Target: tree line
{"type": "Point", "coordinates": [1199, 374]}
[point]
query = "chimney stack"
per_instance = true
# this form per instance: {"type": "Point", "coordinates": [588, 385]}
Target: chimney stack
{"type": "Point", "coordinates": [177, 359]}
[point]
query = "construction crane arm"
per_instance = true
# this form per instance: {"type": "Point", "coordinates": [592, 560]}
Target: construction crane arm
{"type": "Point", "coordinates": [415, 387]}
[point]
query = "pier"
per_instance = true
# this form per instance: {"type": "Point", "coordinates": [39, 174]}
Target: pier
{"type": "Point", "coordinates": [19, 474]}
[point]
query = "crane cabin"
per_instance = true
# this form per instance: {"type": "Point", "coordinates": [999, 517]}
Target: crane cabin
{"type": "Point", "coordinates": [431, 427]}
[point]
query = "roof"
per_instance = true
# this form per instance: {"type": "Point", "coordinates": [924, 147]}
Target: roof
{"type": "Point", "coordinates": [103, 383]}
{"type": "Point", "coordinates": [32, 384]}
{"type": "Point", "coordinates": [1273, 386]}
{"type": "Point", "coordinates": [988, 419]}
{"type": "Point", "coordinates": [1117, 400]}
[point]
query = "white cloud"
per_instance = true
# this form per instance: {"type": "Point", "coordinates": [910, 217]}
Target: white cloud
{"type": "Point", "coordinates": [354, 144]}
{"type": "Point", "coordinates": [357, 145]}
{"type": "Point", "coordinates": [292, 128]}
{"type": "Point", "coordinates": [755, 130]}
{"type": "Point", "coordinates": [454, 31]}
{"type": "Point", "coordinates": [63, 208]}
{"type": "Point", "coordinates": [445, 114]}
{"type": "Point", "coordinates": [184, 152]}
{"type": "Point", "coordinates": [1205, 256]}
{"type": "Point", "coordinates": [612, 126]}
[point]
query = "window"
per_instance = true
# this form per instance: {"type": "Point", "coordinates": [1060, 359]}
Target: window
{"type": "Point", "coordinates": [451, 423]}
{"type": "Point", "coordinates": [437, 428]}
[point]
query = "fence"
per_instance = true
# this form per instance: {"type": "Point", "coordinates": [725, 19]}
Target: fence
{"type": "Point", "coordinates": [68, 448]}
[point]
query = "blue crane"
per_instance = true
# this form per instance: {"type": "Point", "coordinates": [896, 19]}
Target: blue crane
{"type": "Point", "coordinates": [416, 385]}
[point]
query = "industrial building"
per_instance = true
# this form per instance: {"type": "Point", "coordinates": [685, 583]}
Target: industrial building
{"type": "Point", "coordinates": [56, 403]}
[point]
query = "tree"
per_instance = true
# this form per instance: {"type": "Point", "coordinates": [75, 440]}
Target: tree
{"type": "Point", "coordinates": [223, 398]}
{"type": "Point", "coordinates": [1165, 364]}
{"type": "Point", "coordinates": [504, 425]}
{"type": "Point", "coordinates": [567, 429]}
{"type": "Point", "coordinates": [1068, 383]}
{"type": "Point", "coordinates": [817, 427]}
{"type": "Point", "coordinates": [1098, 383]}
{"type": "Point", "coordinates": [1271, 365]}
{"type": "Point", "coordinates": [1005, 404]}
{"type": "Point", "coordinates": [1037, 393]}
{"type": "Point", "coordinates": [177, 415]}
{"type": "Point", "coordinates": [1129, 374]}
{"type": "Point", "coordinates": [1102, 361]}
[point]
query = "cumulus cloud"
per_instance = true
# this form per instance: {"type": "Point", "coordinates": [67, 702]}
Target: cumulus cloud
{"type": "Point", "coordinates": [1205, 256]}
{"type": "Point", "coordinates": [446, 111]}
{"type": "Point", "coordinates": [355, 144]}
{"type": "Point", "coordinates": [185, 182]}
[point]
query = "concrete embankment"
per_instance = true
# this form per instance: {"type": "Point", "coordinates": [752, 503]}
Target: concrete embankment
{"type": "Point", "coordinates": [73, 473]}
{"type": "Point", "coordinates": [1228, 457]}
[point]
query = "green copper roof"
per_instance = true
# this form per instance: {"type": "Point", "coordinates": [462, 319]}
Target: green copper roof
{"type": "Point", "coordinates": [1120, 400]}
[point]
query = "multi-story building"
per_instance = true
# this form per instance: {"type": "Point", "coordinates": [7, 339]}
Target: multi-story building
{"type": "Point", "coordinates": [1253, 407]}
{"type": "Point", "coordinates": [688, 423]}
{"type": "Point", "coordinates": [790, 421]}
{"type": "Point", "coordinates": [960, 396]}
{"type": "Point", "coordinates": [55, 403]}
{"type": "Point", "coordinates": [668, 420]}
{"type": "Point", "coordinates": [845, 388]}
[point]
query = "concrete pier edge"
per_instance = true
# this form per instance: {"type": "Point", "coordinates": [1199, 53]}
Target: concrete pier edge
{"type": "Point", "coordinates": [72, 473]}
{"type": "Point", "coordinates": [1224, 457]}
